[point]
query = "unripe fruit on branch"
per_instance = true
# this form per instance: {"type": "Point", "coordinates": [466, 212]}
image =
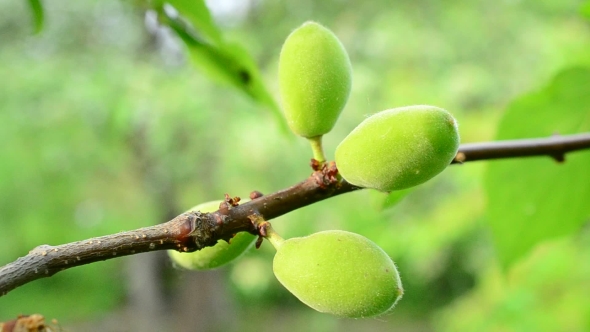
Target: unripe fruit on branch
{"type": "Point", "coordinates": [398, 148]}
{"type": "Point", "coordinates": [219, 254]}
{"type": "Point", "coordinates": [314, 79]}
{"type": "Point", "coordinates": [338, 272]}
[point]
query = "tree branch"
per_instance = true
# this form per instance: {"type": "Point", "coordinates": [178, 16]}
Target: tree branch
{"type": "Point", "coordinates": [195, 230]}
{"type": "Point", "coordinates": [555, 147]}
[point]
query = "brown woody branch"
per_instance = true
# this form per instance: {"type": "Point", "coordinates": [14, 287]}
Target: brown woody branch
{"type": "Point", "coordinates": [195, 230]}
{"type": "Point", "coordinates": [555, 147]}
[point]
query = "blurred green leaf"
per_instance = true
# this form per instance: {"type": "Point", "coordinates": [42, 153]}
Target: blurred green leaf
{"type": "Point", "coordinates": [222, 61]}
{"type": "Point", "coordinates": [534, 199]}
{"type": "Point", "coordinates": [38, 15]}
{"type": "Point", "coordinates": [547, 291]}
{"type": "Point", "coordinates": [585, 9]}
{"type": "Point", "coordinates": [197, 13]}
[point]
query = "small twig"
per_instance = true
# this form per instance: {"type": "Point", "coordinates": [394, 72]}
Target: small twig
{"type": "Point", "coordinates": [195, 230]}
{"type": "Point", "coordinates": [555, 147]}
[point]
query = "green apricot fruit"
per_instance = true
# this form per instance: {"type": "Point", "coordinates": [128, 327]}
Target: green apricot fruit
{"type": "Point", "coordinates": [314, 79]}
{"type": "Point", "coordinates": [219, 254]}
{"type": "Point", "coordinates": [398, 148]}
{"type": "Point", "coordinates": [338, 272]}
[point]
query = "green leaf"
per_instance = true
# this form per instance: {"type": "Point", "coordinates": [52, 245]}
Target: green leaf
{"type": "Point", "coordinates": [534, 199]}
{"type": "Point", "coordinates": [222, 61]}
{"type": "Point", "coordinates": [38, 15]}
{"type": "Point", "coordinates": [197, 13]}
{"type": "Point", "coordinates": [585, 9]}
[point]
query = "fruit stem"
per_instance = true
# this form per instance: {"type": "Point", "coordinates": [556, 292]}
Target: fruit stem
{"type": "Point", "coordinates": [273, 237]}
{"type": "Point", "coordinates": [316, 147]}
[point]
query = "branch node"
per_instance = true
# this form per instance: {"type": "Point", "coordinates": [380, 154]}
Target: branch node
{"type": "Point", "coordinates": [255, 194]}
{"type": "Point", "coordinates": [224, 208]}
{"type": "Point", "coordinates": [261, 226]}
{"type": "Point", "coordinates": [327, 175]}
{"type": "Point", "coordinates": [233, 202]}
{"type": "Point", "coordinates": [315, 165]}
{"type": "Point", "coordinates": [460, 157]}
{"type": "Point", "coordinates": [41, 249]}
{"type": "Point", "coordinates": [558, 157]}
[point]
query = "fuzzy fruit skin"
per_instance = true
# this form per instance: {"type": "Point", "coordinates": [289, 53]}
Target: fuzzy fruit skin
{"type": "Point", "coordinates": [314, 79]}
{"type": "Point", "coordinates": [219, 254]}
{"type": "Point", "coordinates": [338, 272]}
{"type": "Point", "coordinates": [398, 148]}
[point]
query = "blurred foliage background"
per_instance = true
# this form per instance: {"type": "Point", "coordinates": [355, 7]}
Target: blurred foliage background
{"type": "Point", "coordinates": [106, 126]}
